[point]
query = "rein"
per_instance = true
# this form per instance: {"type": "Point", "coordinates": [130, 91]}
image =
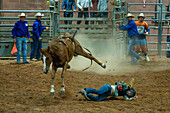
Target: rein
{"type": "Point", "coordinates": [74, 43]}
{"type": "Point", "coordinates": [72, 39]}
{"type": "Point", "coordinates": [74, 36]}
{"type": "Point", "coordinates": [84, 48]}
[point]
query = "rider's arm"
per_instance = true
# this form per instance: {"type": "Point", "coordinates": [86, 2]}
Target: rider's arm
{"type": "Point", "coordinates": [128, 26]}
{"type": "Point", "coordinates": [126, 98]}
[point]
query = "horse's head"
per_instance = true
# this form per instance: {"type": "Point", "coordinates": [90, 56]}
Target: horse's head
{"type": "Point", "coordinates": [46, 59]}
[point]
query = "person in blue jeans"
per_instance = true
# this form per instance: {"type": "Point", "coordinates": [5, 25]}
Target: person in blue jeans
{"type": "Point", "coordinates": [133, 35]}
{"type": "Point", "coordinates": [19, 32]}
{"type": "Point", "coordinates": [105, 15]}
{"type": "Point", "coordinates": [37, 40]}
{"type": "Point", "coordinates": [67, 6]}
{"type": "Point", "coordinates": [102, 6]}
{"type": "Point", "coordinates": [83, 6]}
{"type": "Point", "coordinates": [119, 89]}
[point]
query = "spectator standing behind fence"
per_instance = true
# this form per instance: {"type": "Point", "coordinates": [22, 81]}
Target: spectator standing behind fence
{"type": "Point", "coordinates": [143, 30]}
{"type": "Point", "coordinates": [19, 32]}
{"type": "Point", "coordinates": [37, 40]}
{"type": "Point", "coordinates": [102, 6]}
{"type": "Point", "coordinates": [94, 14]}
{"type": "Point", "coordinates": [83, 5]}
{"type": "Point", "coordinates": [67, 6]}
{"type": "Point", "coordinates": [132, 34]}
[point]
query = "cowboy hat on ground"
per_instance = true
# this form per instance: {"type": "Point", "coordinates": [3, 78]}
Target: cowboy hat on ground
{"type": "Point", "coordinates": [130, 15]}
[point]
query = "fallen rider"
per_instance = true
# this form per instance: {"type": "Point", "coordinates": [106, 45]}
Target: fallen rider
{"type": "Point", "coordinates": [119, 89]}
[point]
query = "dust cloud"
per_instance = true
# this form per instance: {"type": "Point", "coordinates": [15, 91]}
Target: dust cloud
{"type": "Point", "coordinates": [116, 64]}
{"type": "Point", "coordinates": [102, 49]}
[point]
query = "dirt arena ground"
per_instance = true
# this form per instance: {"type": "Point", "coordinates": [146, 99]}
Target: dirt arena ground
{"type": "Point", "coordinates": [25, 88]}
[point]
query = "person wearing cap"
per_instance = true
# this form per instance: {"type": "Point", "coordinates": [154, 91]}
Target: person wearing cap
{"type": "Point", "coordinates": [20, 32]}
{"type": "Point", "coordinates": [113, 91]}
{"type": "Point", "coordinates": [67, 6]}
{"type": "Point", "coordinates": [37, 40]}
{"type": "Point", "coordinates": [143, 30]}
{"type": "Point", "coordinates": [84, 5]}
{"type": "Point", "coordinates": [132, 34]}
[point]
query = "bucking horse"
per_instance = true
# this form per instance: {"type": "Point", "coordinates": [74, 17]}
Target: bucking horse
{"type": "Point", "coordinates": [59, 53]}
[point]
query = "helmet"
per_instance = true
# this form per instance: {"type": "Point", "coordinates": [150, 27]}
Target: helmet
{"type": "Point", "coordinates": [132, 93]}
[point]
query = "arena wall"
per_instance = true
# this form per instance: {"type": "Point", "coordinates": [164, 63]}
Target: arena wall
{"type": "Point", "coordinates": [41, 5]}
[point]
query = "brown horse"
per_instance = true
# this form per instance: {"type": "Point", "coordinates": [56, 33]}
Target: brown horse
{"type": "Point", "coordinates": [59, 53]}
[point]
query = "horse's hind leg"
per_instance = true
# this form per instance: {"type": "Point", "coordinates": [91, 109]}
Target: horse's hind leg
{"type": "Point", "coordinates": [54, 69]}
{"type": "Point", "coordinates": [62, 91]}
{"type": "Point", "coordinates": [81, 52]}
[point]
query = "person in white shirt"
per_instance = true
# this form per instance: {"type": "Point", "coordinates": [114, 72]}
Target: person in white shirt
{"type": "Point", "coordinates": [103, 6]}
{"type": "Point", "coordinates": [83, 5]}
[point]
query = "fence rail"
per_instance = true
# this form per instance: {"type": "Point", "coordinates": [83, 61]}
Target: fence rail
{"type": "Point", "coordinates": [25, 11]}
{"type": "Point", "coordinates": [158, 20]}
{"type": "Point", "coordinates": [27, 19]}
{"type": "Point", "coordinates": [5, 29]}
{"type": "Point", "coordinates": [99, 29]}
{"type": "Point", "coordinates": [54, 20]}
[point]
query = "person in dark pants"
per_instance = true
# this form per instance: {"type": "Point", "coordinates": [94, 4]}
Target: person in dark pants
{"type": "Point", "coordinates": [119, 89]}
{"type": "Point", "coordinates": [94, 14]}
{"type": "Point", "coordinates": [19, 32]}
{"type": "Point", "coordinates": [37, 40]}
{"type": "Point", "coordinates": [67, 6]}
{"type": "Point", "coordinates": [83, 5]}
{"type": "Point", "coordinates": [133, 35]}
{"type": "Point", "coordinates": [102, 6]}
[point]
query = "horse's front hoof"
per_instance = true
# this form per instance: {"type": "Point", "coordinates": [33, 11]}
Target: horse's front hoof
{"type": "Point", "coordinates": [52, 93]}
{"type": "Point", "coordinates": [103, 65]}
{"type": "Point", "coordinates": [62, 92]}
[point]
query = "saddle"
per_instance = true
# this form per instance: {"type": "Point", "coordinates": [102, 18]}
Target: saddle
{"type": "Point", "coordinates": [63, 42]}
{"type": "Point", "coordinates": [66, 46]}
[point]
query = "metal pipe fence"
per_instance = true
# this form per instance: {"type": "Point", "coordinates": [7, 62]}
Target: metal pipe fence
{"type": "Point", "coordinates": [158, 20]}
{"type": "Point", "coordinates": [5, 28]}
{"type": "Point", "coordinates": [98, 30]}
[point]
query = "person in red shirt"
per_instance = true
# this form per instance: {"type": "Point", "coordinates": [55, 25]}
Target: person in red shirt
{"type": "Point", "coordinates": [143, 30]}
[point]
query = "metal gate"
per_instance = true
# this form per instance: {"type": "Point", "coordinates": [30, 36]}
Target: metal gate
{"type": "Point", "coordinates": [6, 42]}
{"type": "Point", "coordinates": [106, 34]}
{"type": "Point", "coordinates": [98, 31]}
{"type": "Point", "coordinates": [159, 19]}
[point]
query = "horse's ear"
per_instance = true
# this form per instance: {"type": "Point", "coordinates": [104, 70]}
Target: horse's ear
{"type": "Point", "coordinates": [41, 50]}
{"type": "Point", "coordinates": [48, 49]}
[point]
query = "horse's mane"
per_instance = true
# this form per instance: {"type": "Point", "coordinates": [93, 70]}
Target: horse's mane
{"type": "Point", "coordinates": [53, 46]}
